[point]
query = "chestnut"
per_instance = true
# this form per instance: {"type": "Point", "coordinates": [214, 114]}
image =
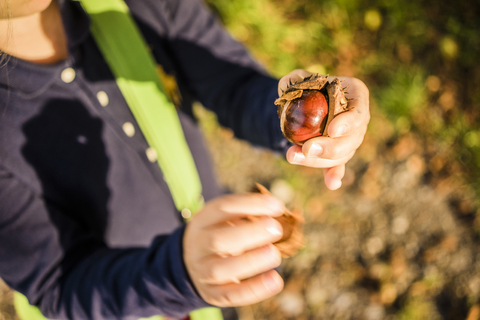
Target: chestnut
{"type": "Point", "coordinates": [306, 108]}
{"type": "Point", "coordinates": [304, 117]}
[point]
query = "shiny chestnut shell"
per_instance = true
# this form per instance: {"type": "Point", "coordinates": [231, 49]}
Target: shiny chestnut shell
{"type": "Point", "coordinates": [306, 108]}
{"type": "Point", "coordinates": [305, 117]}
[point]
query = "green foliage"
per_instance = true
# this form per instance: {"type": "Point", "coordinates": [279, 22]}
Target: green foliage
{"type": "Point", "coordinates": [418, 309]}
{"type": "Point", "coordinates": [404, 95]}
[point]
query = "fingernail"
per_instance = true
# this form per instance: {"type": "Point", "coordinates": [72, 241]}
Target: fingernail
{"type": "Point", "coordinates": [273, 227]}
{"type": "Point", "coordinates": [270, 255]}
{"type": "Point", "coordinates": [274, 231]}
{"type": "Point", "coordinates": [341, 130]}
{"type": "Point", "coordinates": [271, 282]}
{"type": "Point", "coordinates": [276, 205]}
{"type": "Point", "coordinates": [298, 157]}
{"type": "Point", "coordinates": [267, 253]}
{"type": "Point", "coordinates": [315, 150]}
{"type": "Point", "coordinates": [336, 184]}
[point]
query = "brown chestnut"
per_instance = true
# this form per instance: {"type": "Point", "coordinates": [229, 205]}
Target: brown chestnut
{"type": "Point", "coordinates": [305, 117]}
{"type": "Point", "coordinates": [307, 107]}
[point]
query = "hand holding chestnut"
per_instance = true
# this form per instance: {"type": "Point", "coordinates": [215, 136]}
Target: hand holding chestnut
{"type": "Point", "coordinates": [228, 249]}
{"type": "Point", "coordinates": [337, 135]}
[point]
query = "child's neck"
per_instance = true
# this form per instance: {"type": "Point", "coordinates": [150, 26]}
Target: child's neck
{"type": "Point", "coordinates": [38, 38]}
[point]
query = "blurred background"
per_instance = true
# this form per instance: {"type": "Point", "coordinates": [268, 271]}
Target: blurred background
{"type": "Point", "coordinates": [400, 240]}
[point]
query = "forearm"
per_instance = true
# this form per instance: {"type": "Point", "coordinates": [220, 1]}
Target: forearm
{"type": "Point", "coordinates": [244, 103]}
{"type": "Point", "coordinates": [223, 76]}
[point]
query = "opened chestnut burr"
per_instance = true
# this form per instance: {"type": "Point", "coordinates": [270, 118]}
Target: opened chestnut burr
{"type": "Point", "coordinates": [306, 108]}
{"type": "Point", "coordinates": [292, 240]}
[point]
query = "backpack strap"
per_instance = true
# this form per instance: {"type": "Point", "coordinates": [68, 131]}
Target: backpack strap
{"type": "Point", "coordinates": [125, 51]}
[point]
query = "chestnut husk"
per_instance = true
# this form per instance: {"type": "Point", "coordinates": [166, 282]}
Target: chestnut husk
{"type": "Point", "coordinates": [295, 94]}
{"type": "Point", "coordinates": [292, 240]}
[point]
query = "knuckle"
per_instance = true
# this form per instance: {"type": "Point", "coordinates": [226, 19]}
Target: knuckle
{"type": "Point", "coordinates": [368, 117]}
{"type": "Point", "coordinates": [216, 205]}
{"type": "Point", "coordinates": [217, 300]}
{"type": "Point", "coordinates": [213, 274]}
{"type": "Point", "coordinates": [226, 299]}
{"type": "Point", "coordinates": [260, 263]}
{"type": "Point", "coordinates": [331, 152]}
{"type": "Point", "coordinates": [317, 163]}
{"type": "Point", "coordinates": [297, 72]}
{"type": "Point", "coordinates": [359, 142]}
{"type": "Point", "coordinates": [350, 156]}
{"type": "Point", "coordinates": [360, 84]}
{"type": "Point", "coordinates": [254, 293]}
{"type": "Point", "coordinates": [215, 243]}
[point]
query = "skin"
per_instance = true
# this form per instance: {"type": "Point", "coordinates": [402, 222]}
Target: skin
{"type": "Point", "coordinates": [32, 30]}
{"type": "Point", "coordinates": [230, 258]}
{"type": "Point", "coordinates": [22, 8]}
{"type": "Point", "coordinates": [345, 132]}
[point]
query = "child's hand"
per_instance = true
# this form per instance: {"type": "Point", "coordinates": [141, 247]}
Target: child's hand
{"type": "Point", "coordinates": [229, 256]}
{"type": "Point", "coordinates": [345, 132]}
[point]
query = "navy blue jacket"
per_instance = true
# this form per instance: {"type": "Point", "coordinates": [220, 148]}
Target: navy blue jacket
{"type": "Point", "coordinates": [88, 228]}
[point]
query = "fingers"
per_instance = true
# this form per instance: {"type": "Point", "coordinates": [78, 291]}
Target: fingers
{"type": "Point", "coordinates": [233, 269]}
{"type": "Point", "coordinates": [358, 91]}
{"type": "Point", "coordinates": [246, 292]}
{"type": "Point", "coordinates": [331, 148]}
{"type": "Point", "coordinates": [333, 177]}
{"type": "Point", "coordinates": [354, 121]}
{"type": "Point", "coordinates": [240, 205]}
{"type": "Point", "coordinates": [238, 236]}
{"type": "Point", "coordinates": [345, 133]}
{"type": "Point", "coordinates": [293, 77]}
{"type": "Point", "coordinates": [296, 156]}
{"type": "Point", "coordinates": [228, 250]}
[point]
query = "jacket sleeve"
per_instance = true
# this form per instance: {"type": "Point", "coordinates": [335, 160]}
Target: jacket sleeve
{"type": "Point", "coordinates": [77, 276]}
{"type": "Point", "coordinates": [223, 75]}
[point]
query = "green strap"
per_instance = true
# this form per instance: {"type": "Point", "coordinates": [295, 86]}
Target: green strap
{"type": "Point", "coordinates": [201, 314]}
{"type": "Point", "coordinates": [123, 47]}
{"type": "Point", "coordinates": [133, 66]}
{"type": "Point", "coordinates": [25, 311]}
{"type": "Point", "coordinates": [125, 51]}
